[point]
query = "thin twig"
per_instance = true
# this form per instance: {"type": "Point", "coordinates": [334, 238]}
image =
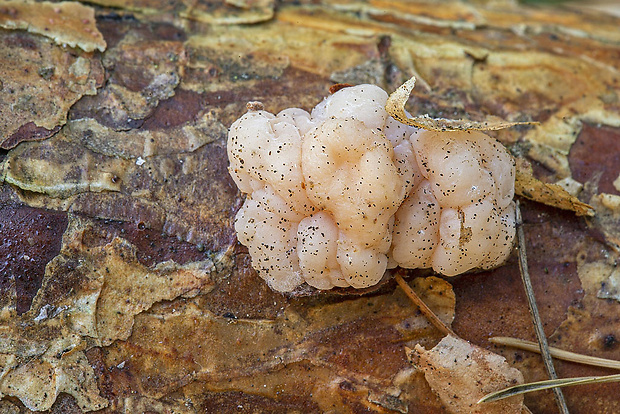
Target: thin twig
{"type": "Point", "coordinates": [531, 300]}
{"type": "Point", "coordinates": [556, 352]}
{"type": "Point", "coordinates": [426, 311]}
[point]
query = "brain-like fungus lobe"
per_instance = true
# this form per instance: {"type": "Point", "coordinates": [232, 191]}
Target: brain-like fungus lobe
{"type": "Point", "coordinates": [461, 215]}
{"type": "Point", "coordinates": [337, 196]}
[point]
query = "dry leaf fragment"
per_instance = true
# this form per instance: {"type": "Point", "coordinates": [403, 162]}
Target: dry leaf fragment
{"type": "Point", "coordinates": [396, 107]}
{"type": "Point", "coordinates": [461, 374]}
{"type": "Point", "coordinates": [526, 185]}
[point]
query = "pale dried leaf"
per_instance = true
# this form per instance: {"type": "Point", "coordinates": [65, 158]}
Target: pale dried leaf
{"type": "Point", "coordinates": [396, 107]}
{"type": "Point", "coordinates": [528, 186]}
{"type": "Point", "coordinates": [461, 374]}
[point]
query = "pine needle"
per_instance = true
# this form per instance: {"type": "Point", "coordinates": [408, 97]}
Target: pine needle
{"type": "Point", "coordinates": [544, 385]}
{"type": "Point", "coordinates": [531, 301]}
{"type": "Point", "coordinates": [556, 352]}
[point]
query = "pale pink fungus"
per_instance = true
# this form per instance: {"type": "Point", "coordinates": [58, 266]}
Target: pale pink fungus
{"type": "Point", "coordinates": [337, 196]}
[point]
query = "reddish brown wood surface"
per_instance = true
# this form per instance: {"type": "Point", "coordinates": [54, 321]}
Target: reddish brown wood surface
{"type": "Point", "coordinates": [120, 275]}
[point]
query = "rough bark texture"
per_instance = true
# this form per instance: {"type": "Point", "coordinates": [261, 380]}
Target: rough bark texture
{"type": "Point", "coordinates": [122, 287]}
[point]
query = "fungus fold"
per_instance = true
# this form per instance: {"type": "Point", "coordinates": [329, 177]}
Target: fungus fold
{"type": "Point", "coordinates": [337, 196]}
